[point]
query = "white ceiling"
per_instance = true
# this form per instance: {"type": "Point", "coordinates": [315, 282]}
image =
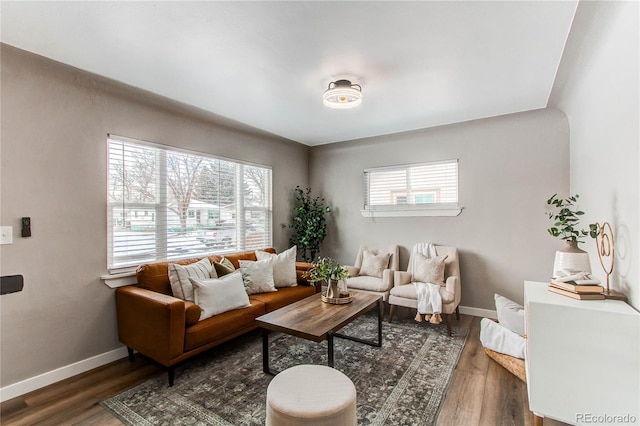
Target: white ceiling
{"type": "Point", "coordinates": [266, 64]}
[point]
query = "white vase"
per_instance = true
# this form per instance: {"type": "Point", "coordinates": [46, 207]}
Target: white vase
{"type": "Point", "coordinates": [332, 289]}
{"type": "Point", "coordinates": [572, 259]}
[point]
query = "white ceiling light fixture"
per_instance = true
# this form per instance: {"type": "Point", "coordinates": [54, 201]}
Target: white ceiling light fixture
{"type": "Point", "coordinates": [341, 94]}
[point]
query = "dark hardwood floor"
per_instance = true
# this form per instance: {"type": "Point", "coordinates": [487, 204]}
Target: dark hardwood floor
{"type": "Point", "coordinates": [481, 393]}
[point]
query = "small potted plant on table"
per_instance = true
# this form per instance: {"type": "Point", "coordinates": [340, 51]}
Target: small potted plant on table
{"type": "Point", "coordinates": [331, 272]}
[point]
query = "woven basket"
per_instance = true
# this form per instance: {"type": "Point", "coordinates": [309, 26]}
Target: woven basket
{"type": "Point", "coordinates": [513, 365]}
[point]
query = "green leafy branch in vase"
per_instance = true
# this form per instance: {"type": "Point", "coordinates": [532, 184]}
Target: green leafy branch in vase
{"type": "Point", "coordinates": [566, 217]}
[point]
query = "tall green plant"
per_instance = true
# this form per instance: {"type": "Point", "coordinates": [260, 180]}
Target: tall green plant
{"type": "Point", "coordinates": [309, 223]}
{"type": "Point", "coordinates": [566, 218]}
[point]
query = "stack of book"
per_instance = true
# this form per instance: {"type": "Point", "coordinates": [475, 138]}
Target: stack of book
{"type": "Point", "coordinates": [578, 289]}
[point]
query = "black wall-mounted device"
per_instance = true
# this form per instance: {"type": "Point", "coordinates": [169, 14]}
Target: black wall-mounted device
{"type": "Point", "coordinates": [26, 226]}
{"type": "Point", "coordinates": [11, 284]}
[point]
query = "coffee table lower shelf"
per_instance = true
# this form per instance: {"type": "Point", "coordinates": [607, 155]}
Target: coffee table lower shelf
{"type": "Point", "coordinates": [315, 320]}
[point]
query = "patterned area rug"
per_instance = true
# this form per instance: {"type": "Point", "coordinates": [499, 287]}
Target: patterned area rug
{"type": "Point", "coordinates": [401, 383]}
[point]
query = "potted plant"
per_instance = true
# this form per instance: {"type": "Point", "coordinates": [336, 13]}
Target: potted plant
{"type": "Point", "coordinates": [566, 225]}
{"type": "Point", "coordinates": [330, 271]}
{"type": "Point", "coordinates": [309, 224]}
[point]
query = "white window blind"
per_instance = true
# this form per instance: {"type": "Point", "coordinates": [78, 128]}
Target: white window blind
{"type": "Point", "coordinates": [166, 204]}
{"type": "Point", "coordinates": [412, 188]}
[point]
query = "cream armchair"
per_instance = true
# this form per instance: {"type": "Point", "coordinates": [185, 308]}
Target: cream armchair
{"type": "Point", "coordinates": [404, 292]}
{"type": "Point", "coordinates": [371, 273]}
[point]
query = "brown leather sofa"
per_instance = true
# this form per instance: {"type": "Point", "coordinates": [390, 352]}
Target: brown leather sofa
{"type": "Point", "coordinates": [168, 330]}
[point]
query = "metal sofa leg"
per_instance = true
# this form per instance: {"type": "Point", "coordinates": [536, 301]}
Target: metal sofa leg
{"type": "Point", "coordinates": [171, 373]}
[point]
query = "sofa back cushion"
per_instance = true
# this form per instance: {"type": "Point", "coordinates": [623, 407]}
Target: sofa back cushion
{"type": "Point", "coordinates": [155, 276]}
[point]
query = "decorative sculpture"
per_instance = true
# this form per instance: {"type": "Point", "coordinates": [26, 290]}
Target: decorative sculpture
{"type": "Point", "coordinates": [606, 253]}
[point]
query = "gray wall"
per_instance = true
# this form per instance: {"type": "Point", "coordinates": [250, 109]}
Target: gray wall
{"type": "Point", "coordinates": [508, 167]}
{"type": "Point", "coordinates": [54, 125]}
{"type": "Point", "coordinates": [598, 88]}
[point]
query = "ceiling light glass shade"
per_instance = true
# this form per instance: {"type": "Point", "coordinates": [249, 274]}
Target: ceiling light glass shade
{"type": "Point", "coordinates": [342, 94]}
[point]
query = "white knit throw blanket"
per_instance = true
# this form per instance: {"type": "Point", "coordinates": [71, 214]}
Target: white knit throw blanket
{"type": "Point", "coordinates": [429, 299]}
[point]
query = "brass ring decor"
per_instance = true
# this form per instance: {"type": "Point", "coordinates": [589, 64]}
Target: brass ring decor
{"type": "Point", "coordinates": [606, 253]}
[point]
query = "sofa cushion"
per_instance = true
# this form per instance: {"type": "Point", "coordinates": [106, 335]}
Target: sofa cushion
{"type": "Point", "coordinates": [367, 283]}
{"type": "Point", "coordinates": [218, 295]}
{"type": "Point", "coordinates": [284, 296]}
{"type": "Point", "coordinates": [191, 313]}
{"type": "Point", "coordinates": [284, 266]}
{"type": "Point", "coordinates": [220, 326]}
{"type": "Point", "coordinates": [258, 275]}
{"type": "Point", "coordinates": [179, 276]}
{"type": "Point", "coordinates": [429, 270]}
{"type": "Point", "coordinates": [373, 264]}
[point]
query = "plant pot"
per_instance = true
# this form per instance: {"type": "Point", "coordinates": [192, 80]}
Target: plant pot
{"type": "Point", "coordinates": [571, 258]}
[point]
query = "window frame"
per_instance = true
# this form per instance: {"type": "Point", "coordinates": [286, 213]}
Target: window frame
{"type": "Point", "coordinates": [409, 209]}
{"type": "Point", "coordinates": [160, 207]}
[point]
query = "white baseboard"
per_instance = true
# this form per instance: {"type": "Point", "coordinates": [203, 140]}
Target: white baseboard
{"type": "Point", "coordinates": [45, 379]}
{"type": "Point", "coordinates": [477, 312]}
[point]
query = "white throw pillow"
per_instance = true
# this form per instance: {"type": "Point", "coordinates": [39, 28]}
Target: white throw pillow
{"type": "Point", "coordinates": [500, 339]}
{"type": "Point", "coordinates": [179, 276]}
{"type": "Point", "coordinates": [510, 314]}
{"type": "Point", "coordinates": [284, 266]}
{"type": "Point", "coordinates": [257, 276]}
{"type": "Point", "coordinates": [374, 264]}
{"type": "Point", "coordinates": [218, 295]}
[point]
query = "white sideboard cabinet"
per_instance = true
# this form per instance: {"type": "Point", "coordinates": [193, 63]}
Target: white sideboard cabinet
{"type": "Point", "coordinates": [582, 359]}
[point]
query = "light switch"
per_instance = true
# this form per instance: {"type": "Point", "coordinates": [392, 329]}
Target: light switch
{"type": "Point", "coordinates": [6, 234]}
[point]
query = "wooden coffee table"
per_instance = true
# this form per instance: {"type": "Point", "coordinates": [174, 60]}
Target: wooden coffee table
{"type": "Point", "coordinates": [315, 320]}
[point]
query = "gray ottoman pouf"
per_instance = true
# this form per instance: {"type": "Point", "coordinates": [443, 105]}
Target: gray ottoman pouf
{"type": "Point", "coordinates": [311, 395]}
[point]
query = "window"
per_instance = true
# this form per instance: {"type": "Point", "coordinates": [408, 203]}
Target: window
{"type": "Point", "coordinates": [166, 204]}
{"type": "Point", "coordinates": [425, 189]}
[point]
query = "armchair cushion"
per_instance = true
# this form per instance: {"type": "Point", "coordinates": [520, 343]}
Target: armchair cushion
{"type": "Point", "coordinates": [429, 270]}
{"type": "Point", "coordinates": [373, 263]}
{"type": "Point", "coordinates": [218, 295]}
{"type": "Point", "coordinates": [179, 277]}
{"type": "Point", "coordinates": [364, 282]}
{"type": "Point", "coordinates": [408, 291]}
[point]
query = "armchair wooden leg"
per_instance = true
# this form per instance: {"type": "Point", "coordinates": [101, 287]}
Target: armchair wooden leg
{"type": "Point", "coordinates": [392, 309]}
{"type": "Point", "coordinates": [447, 320]}
{"type": "Point", "coordinates": [130, 352]}
{"type": "Point", "coordinates": [458, 313]}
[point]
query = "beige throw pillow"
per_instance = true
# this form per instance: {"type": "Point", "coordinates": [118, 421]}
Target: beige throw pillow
{"type": "Point", "coordinates": [374, 264]}
{"type": "Point", "coordinates": [284, 266]}
{"type": "Point", "coordinates": [257, 276]}
{"type": "Point", "coordinates": [218, 295]}
{"type": "Point", "coordinates": [429, 270]}
{"type": "Point", "coordinates": [179, 276]}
